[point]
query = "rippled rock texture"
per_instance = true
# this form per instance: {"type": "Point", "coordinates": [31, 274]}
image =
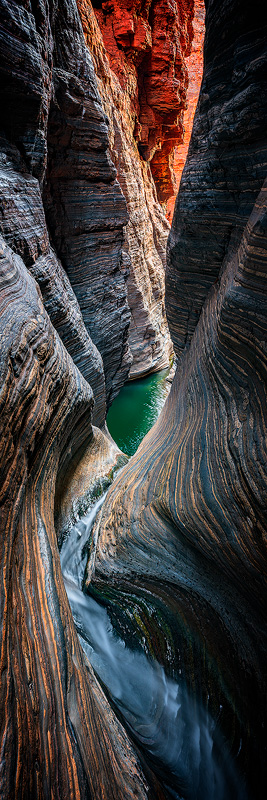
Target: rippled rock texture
{"type": "Point", "coordinates": [147, 230]}
{"type": "Point", "coordinates": [62, 208]}
{"type": "Point", "coordinates": [53, 713]}
{"type": "Point", "coordinates": [226, 165]}
{"type": "Point", "coordinates": [181, 555]}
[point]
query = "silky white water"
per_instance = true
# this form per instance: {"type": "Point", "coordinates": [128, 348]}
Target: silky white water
{"type": "Point", "coordinates": [181, 740]}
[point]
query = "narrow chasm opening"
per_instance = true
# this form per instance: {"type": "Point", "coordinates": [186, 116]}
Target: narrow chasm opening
{"type": "Point", "coordinates": [194, 64]}
{"type": "Point", "coordinates": [139, 403]}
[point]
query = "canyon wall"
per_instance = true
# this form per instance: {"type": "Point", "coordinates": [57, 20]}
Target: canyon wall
{"type": "Point", "coordinates": [181, 551]}
{"type": "Point", "coordinates": [194, 63]}
{"type": "Point", "coordinates": [226, 165]}
{"type": "Point", "coordinates": [181, 555]}
{"type": "Point", "coordinates": [62, 209]}
{"type": "Point", "coordinates": [53, 711]}
{"type": "Point", "coordinates": [139, 54]}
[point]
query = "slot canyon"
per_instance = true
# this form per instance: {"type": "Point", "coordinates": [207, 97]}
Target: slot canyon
{"type": "Point", "coordinates": [133, 253]}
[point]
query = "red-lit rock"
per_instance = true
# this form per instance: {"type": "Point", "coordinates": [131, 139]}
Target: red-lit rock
{"type": "Point", "coordinates": [195, 70]}
{"type": "Point", "coordinates": [147, 48]}
{"type": "Point", "coordinates": [147, 230]}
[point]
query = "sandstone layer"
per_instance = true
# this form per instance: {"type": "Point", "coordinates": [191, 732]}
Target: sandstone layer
{"type": "Point", "coordinates": [147, 45]}
{"type": "Point", "coordinates": [147, 230]}
{"type": "Point", "coordinates": [181, 551]}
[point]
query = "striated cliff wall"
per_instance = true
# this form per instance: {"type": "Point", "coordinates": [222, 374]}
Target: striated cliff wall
{"type": "Point", "coordinates": [147, 230]}
{"type": "Point", "coordinates": [53, 712]}
{"type": "Point", "coordinates": [60, 197]}
{"type": "Point", "coordinates": [180, 558]}
{"type": "Point", "coordinates": [226, 165]}
{"type": "Point", "coordinates": [181, 555]}
{"type": "Point", "coordinates": [194, 63]}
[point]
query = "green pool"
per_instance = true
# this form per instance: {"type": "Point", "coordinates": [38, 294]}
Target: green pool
{"type": "Point", "coordinates": [136, 409]}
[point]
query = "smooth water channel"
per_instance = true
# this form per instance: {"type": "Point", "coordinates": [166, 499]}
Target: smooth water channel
{"type": "Point", "coordinates": [136, 409]}
{"type": "Point", "coordinates": [179, 738]}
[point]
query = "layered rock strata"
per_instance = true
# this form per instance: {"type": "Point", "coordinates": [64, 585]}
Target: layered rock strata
{"type": "Point", "coordinates": [226, 165]}
{"type": "Point", "coordinates": [147, 230]}
{"type": "Point", "coordinates": [24, 227]}
{"type": "Point", "coordinates": [194, 63]}
{"type": "Point", "coordinates": [181, 556]}
{"type": "Point", "coordinates": [56, 137]}
{"type": "Point", "coordinates": [53, 712]}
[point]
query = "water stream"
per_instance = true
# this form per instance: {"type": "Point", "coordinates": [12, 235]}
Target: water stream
{"type": "Point", "coordinates": [181, 741]}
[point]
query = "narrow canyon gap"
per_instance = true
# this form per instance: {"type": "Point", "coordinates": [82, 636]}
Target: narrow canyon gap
{"type": "Point", "coordinates": [180, 540]}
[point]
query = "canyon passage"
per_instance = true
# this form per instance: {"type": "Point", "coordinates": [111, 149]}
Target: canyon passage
{"type": "Point", "coordinates": [133, 577]}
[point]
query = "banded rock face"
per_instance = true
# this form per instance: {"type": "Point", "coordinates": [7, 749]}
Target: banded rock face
{"type": "Point", "coordinates": [194, 63]}
{"type": "Point", "coordinates": [147, 230]}
{"type": "Point", "coordinates": [85, 208]}
{"type": "Point", "coordinates": [53, 712]}
{"type": "Point", "coordinates": [226, 165]}
{"type": "Point", "coordinates": [181, 556]}
{"type": "Point", "coordinates": [147, 45]}
{"type": "Point", "coordinates": [52, 104]}
{"type": "Point", "coordinates": [24, 228]}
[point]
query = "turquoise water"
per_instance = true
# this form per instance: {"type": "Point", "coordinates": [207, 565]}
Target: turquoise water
{"type": "Point", "coordinates": [136, 409]}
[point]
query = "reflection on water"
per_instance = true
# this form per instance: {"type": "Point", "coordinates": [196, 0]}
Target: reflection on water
{"type": "Point", "coordinates": [136, 409]}
{"type": "Point", "coordinates": [178, 735]}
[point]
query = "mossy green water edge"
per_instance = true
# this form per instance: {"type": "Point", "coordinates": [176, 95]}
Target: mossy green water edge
{"type": "Point", "coordinates": [136, 409]}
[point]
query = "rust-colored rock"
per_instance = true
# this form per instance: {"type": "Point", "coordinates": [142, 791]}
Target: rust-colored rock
{"type": "Point", "coordinates": [194, 64]}
{"type": "Point", "coordinates": [53, 712]}
{"type": "Point", "coordinates": [147, 46]}
{"type": "Point", "coordinates": [147, 230]}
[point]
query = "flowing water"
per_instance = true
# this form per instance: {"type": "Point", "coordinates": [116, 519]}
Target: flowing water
{"type": "Point", "coordinates": [136, 409]}
{"type": "Point", "coordinates": [178, 736]}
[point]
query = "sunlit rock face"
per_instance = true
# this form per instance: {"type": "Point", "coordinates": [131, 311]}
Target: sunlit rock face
{"type": "Point", "coordinates": [147, 230]}
{"type": "Point", "coordinates": [194, 63]}
{"type": "Point", "coordinates": [147, 45]}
